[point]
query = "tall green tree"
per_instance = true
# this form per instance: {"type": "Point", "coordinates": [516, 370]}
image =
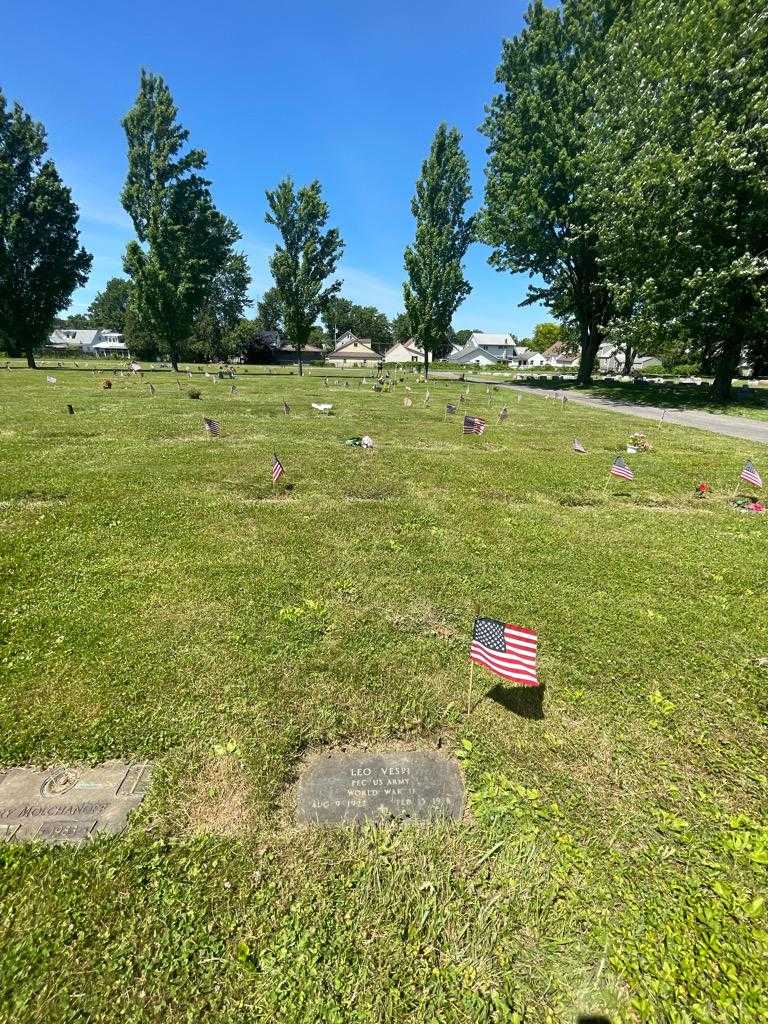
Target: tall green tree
{"type": "Point", "coordinates": [223, 310]}
{"type": "Point", "coordinates": [537, 214]}
{"type": "Point", "coordinates": [342, 315]}
{"type": "Point", "coordinates": [548, 334]}
{"type": "Point", "coordinates": [436, 285]}
{"type": "Point", "coordinates": [306, 259]}
{"type": "Point", "coordinates": [110, 306]}
{"type": "Point", "coordinates": [41, 259]}
{"type": "Point", "coordinates": [271, 313]}
{"type": "Point", "coordinates": [401, 328]}
{"type": "Point", "coordinates": [184, 242]}
{"type": "Point", "coordinates": [678, 145]}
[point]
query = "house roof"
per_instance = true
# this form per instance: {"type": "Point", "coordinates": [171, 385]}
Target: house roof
{"type": "Point", "coordinates": [470, 351]}
{"type": "Point", "coordinates": [339, 352]}
{"type": "Point", "coordinates": [480, 340]}
{"type": "Point", "coordinates": [111, 344]}
{"type": "Point", "coordinates": [409, 345]}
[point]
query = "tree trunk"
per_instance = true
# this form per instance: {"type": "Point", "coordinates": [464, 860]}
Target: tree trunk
{"type": "Point", "coordinates": [301, 365]}
{"type": "Point", "coordinates": [727, 362]}
{"type": "Point", "coordinates": [426, 364]}
{"type": "Point", "coordinates": [30, 358]}
{"type": "Point", "coordinates": [590, 343]}
{"type": "Point", "coordinates": [629, 358]}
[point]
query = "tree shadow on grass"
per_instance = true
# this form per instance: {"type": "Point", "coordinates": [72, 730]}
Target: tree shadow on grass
{"type": "Point", "coordinates": [525, 701]}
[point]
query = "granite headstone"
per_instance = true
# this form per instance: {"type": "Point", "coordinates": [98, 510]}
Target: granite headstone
{"type": "Point", "coordinates": [69, 806]}
{"type": "Point", "coordinates": [394, 785]}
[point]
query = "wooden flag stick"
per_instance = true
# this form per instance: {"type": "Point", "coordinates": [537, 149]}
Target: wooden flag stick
{"type": "Point", "coordinates": [661, 418]}
{"type": "Point", "coordinates": [605, 489]}
{"type": "Point", "coordinates": [469, 692]}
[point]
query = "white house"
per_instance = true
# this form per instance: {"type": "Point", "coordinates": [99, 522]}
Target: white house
{"type": "Point", "coordinates": [646, 362]}
{"type": "Point", "coordinates": [92, 342]}
{"type": "Point", "coordinates": [527, 357]}
{"type": "Point", "coordinates": [406, 352]}
{"type": "Point", "coordinates": [500, 345]}
{"type": "Point", "coordinates": [353, 351]}
{"type": "Point", "coordinates": [472, 355]}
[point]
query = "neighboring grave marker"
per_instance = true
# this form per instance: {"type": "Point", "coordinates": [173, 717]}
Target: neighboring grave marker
{"type": "Point", "coordinates": [70, 805]}
{"type": "Point", "coordinates": [354, 788]}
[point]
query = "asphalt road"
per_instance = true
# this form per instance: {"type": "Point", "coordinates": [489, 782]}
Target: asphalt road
{"type": "Point", "coordinates": [732, 426]}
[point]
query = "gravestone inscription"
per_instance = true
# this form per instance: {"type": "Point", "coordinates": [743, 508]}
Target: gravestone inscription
{"type": "Point", "coordinates": [69, 806]}
{"type": "Point", "coordinates": [379, 787]}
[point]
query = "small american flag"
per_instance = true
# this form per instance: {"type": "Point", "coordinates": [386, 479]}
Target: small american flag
{"type": "Point", "coordinates": [750, 474]}
{"type": "Point", "coordinates": [286, 409]}
{"type": "Point", "coordinates": [71, 410]}
{"type": "Point", "coordinates": [151, 389]}
{"type": "Point", "coordinates": [277, 469]}
{"type": "Point", "coordinates": [509, 651]}
{"type": "Point", "coordinates": [462, 397]}
{"type": "Point", "coordinates": [233, 389]}
{"type": "Point", "coordinates": [451, 409]}
{"type": "Point", "coordinates": [212, 426]}
{"type": "Point", "coordinates": [579, 447]}
{"type": "Point", "coordinates": [504, 415]}
{"type": "Point", "coordinates": [474, 425]}
{"type": "Point", "coordinates": [51, 380]}
{"type": "Point", "coordinates": [621, 469]}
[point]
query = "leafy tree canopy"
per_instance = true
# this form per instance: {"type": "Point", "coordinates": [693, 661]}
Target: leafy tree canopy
{"type": "Point", "coordinates": [41, 259]}
{"type": "Point", "coordinates": [678, 144]}
{"type": "Point", "coordinates": [110, 306]}
{"type": "Point", "coordinates": [340, 315]}
{"type": "Point", "coordinates": [537, 215]}
{"type": "Point", "coordinates": [436, 285]}
{"type": "Point", "coordinates": [305, 259]}
{"type": "Point", "coordinates": [183, 242]}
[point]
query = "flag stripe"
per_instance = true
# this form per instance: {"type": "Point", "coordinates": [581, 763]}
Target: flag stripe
{"type": "Point", "coordinates": [508, 673]}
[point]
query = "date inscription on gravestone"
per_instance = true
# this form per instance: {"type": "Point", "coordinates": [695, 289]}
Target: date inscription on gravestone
{"type": "Point", "coordinates": [69, 806]}
{"type": "Point", "coordinates": [401, 785]}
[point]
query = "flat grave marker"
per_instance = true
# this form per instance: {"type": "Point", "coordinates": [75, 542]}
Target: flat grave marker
{"type": "Point", "coordinates": [353, 788]}
{"type": "Point", "coordinates": [69, 806]}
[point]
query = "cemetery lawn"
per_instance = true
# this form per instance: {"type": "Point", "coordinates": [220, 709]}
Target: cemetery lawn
{"type": "Point", "coordinates": [158, 602]}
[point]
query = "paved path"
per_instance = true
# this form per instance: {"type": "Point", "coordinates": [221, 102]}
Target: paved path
{"type": "Point", "coordinates": [732, 426]}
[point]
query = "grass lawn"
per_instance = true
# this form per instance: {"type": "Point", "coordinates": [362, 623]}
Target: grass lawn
{"type": "Point", "coordinates": [158, 602]}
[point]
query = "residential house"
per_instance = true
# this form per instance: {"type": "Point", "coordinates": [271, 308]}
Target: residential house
{"type": "Point", "coordinates": [646, 362]}
{"type": "Point", "coordinates": [502, 346]}
{"type": "Point", "coordinates": [472, 355]}
{"type": "Point", "coordinates": [527, 357]}
{"type": "Point", "coordinates": [91, 342]}
{"type": "Point", "coordinates": [406, 352]}
{"type": "Point", "coordinates": [353, 351]}
{"type": "Point", "coordinates": [288, 354]}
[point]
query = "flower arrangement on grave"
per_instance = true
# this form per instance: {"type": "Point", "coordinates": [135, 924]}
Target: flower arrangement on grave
{"type": "Point", "coordinates": [702, 489]}
{"type": "Point", "coordinates": [640, 442]}
{"type": "Point", "coordinates": [748, 504]}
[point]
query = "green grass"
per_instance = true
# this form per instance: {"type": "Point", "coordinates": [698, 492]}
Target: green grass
{"type": "Point", "coordinates": [157, 602]}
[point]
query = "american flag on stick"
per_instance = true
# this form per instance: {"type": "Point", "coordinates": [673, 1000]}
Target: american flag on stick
{"type": "Point", "coordinates": [233, 389]}
{"type": "Point", "coordinates": [277, 469]}
{"type": "Point", "coordinates": [579, 447]}
{"type": "Point", "coordinates": [621, 469]}
{"type": "Point", "coordinates": [286, 409]}
{"type": "Point", "coordinates": [474, 425]}
{"type": "Point", "coordinates": [509, 651]}
{"type": "Point", "coordinates": [750, 474]}
{"type": "Point", "coordinates": [212, 426]}
{"type": "Point", "coordinates": [151, 388]}
{"type": "Point", "coordinates": [504, 415]}
{"type": "Point", "coordinates": [451, 409]}
{"type": "Point", "coordinates": [71, 410]}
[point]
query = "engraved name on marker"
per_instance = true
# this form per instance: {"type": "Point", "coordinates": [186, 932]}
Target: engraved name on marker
{"type": "Point", "coordinates": [70, 806]}
{"type": "Point", "coordinates": [399, 785]}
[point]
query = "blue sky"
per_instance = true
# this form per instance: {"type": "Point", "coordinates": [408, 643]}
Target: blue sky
{"type": "Point", "coordinates": [347, 92]}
